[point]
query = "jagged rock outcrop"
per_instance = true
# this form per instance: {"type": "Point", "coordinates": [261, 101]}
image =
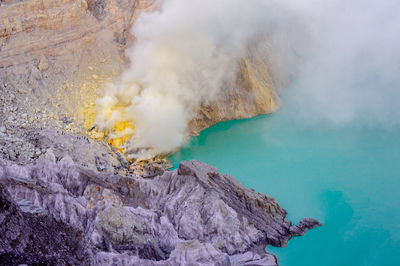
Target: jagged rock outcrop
{"type": "Point", "coordinates": [192, 215]}
{"type": "Point", "coordinates": [32, 239]}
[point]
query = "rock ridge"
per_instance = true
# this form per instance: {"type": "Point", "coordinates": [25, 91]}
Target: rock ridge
{"type": "Point", "coordinates": [193, 215]}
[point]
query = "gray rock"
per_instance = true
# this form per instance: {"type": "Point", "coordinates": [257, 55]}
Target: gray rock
{"type": "Point", "coordinates": [305, 224]}
{"type": "Point", "coordinates": [12, 155]}
{"type": "Point", "coordinates": [43, 64]}
{"type": "Point", "coordinates": [190, 216]}
{"type": "Point", "coordinates": [37, 240]}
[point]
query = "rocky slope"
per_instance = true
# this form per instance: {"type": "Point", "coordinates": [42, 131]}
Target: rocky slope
{"type": "Point", "coordinates": [56, 211]}
{"type": "Point", "coordinates": [55, 56]}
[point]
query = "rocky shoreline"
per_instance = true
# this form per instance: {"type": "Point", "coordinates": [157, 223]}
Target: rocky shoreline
{"type": "Point", "coordinates": [58, 212]}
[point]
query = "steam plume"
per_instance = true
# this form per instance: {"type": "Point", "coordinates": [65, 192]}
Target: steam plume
{"type": "Point", "coordinates": [182, 56]}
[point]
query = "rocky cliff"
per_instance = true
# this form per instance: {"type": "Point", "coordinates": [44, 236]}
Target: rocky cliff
{"type": "Point", "coordinates": [58, 212]}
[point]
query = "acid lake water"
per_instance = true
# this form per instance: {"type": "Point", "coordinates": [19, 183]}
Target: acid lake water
{"type": "Point", "coordinates": [346, 176]}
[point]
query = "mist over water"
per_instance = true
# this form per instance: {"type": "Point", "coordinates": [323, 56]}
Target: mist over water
{"type": "Point", "coordinates": [351, 67]}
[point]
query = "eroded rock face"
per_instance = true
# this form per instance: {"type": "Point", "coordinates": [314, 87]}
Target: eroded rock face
{"type": "Point", "coordinates": [34, 29]}
{"type": "Point", "coordinates": [27, 238]}
{"type": "Point", "coordinates": [254, 92]}
{"type": "Point", "coordinates": [192, 215]}
{"type": "Point", "coordinates": [57, 55]}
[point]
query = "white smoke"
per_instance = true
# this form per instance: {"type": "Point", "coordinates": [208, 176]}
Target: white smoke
{"type": "Point", "coordinates": [182, 56]}
{"type": "Point", "coordinates": [187, 50]}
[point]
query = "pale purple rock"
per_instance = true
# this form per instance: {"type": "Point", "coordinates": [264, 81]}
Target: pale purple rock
{"type": "Point", "coordinates": [190, 216]}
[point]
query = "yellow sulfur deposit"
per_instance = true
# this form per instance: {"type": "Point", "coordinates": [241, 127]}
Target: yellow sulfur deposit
{"type": "Point", "coordinates": [120, 127]}
{"type": "Point", "coordinates": [121, 131]}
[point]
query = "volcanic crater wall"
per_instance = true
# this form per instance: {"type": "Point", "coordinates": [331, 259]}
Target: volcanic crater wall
{"type": "Point", "coordinates": [56, 55]}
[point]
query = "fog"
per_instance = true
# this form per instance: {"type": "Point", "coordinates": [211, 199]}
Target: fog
{"type": "Point", "coordinates": [351, 67]}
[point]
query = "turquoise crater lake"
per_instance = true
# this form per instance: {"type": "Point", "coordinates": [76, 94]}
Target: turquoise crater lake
{"type": "Point", "coordinates": [345, 176]}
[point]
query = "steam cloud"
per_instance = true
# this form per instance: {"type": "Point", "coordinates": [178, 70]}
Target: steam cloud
{"type": "Point", "coordinates": [186, 51]}
{"type": "Point", "coordinates": [183, 54]}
